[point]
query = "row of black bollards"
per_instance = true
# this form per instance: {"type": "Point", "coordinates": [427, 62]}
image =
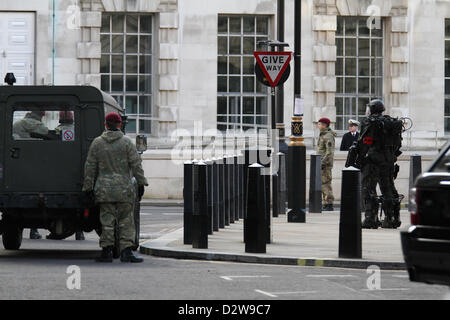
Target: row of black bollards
{"type": "Point", "coordinates": [219, 192]}
{"type": "Point", "coordinates": [213, 197]}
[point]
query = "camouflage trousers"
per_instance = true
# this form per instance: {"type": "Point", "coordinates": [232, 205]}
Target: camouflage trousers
{"type": "Point", "coordinates": [122, 214]}
{"type": "Point", "coordinates": [327, 190]}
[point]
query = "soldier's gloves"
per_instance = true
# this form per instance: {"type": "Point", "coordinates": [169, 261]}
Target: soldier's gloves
{"type": "Point", "coordinates": [88, 199]}
{"type": "Point", "coordinates": [141, 189]}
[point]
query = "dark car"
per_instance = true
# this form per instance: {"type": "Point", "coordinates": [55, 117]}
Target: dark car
{"type": "Point", "coordinates": [426, 243]}
{"type": "Point", "coordinates": [45, 134]}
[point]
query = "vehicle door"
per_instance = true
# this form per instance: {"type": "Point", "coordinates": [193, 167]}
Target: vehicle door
{"type": "Point", "coordinates": [42, 154]}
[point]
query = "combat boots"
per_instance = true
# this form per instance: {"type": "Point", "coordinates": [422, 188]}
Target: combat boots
{"type": "Point", "coordinates": [387, 223]}
{"type": "Point", "coordinates": [396, 223]}
{"type": "Point", "coordinates": [79, 235]}
{"type": "Point", "coordinates": [127, 255]}
{"type": "Point", "coordinates": [328, 207]}
{"type": "Point", "coordinates": [35, 235]}
{"type": "Point", "coordinates": [370, 222]}
{"type": "Point", "coordinates": [106, 255]}
{"type": "Point", "coordinates": [391, 223]}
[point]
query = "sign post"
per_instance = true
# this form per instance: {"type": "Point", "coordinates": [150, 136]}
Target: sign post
{"type": "Point", "coordinates": [272, 69]}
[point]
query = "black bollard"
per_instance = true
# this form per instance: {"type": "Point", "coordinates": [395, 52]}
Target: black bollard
{"type": "Point", "coordinates": [200, 216]}
{"type": "Point", "coordinates": [267, 179]}
{"type": "Point", "coordinates": [246, 160]}
{"type": "Point", "coordinates": [188, 196]}
{"type": "Point", "coordinates": [221, 189]}
{"type": "Point", "coordinates": [415, 168]}
{"type": "Point", "coordinates": [230, 165]}
{"type": "Point", "coordinates": [350, 218]}
{"type": "Point", "coordinates": [297, 180]}
{"type": "Point", "coordinates": [236, 188]}
{"type": "Point", "coordinates": [282, 183]}
{"type": "Point", "coordinates": [315, 184]}
{"type": "Point", "coordinates": [209, 186]}
{"type": "Point", "coordinates": [226, 180]}
{"type": "Point", "coordinates": [275, 195]}
{"type": "Point", "coordinates": [241, 186]}
{"type": "Point", "coordinates": [215, 192]}
{"type": "Point", "coordinates": [255, 222]}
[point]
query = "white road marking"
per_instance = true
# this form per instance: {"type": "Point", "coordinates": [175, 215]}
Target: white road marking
{"type": "Point", "coordinates": [266, 293]}
{"type": "Point", "coordinates": [400, 276]}
{"type": "Point", "coordinates": [229, 278]}
{"type": "Point", "coordinates": [330, 276]}
{"type": "Point", "coordinates": [294, 292]}
{"type": "Point", "coordinates": [387, 289]}
{"type": "Point", "coordinates": [276, 294]}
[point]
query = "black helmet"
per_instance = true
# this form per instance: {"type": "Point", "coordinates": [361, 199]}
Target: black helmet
{"type": "Point", "coordinates": [376, 106]}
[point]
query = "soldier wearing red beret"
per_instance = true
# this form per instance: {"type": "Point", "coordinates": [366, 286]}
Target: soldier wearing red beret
{"type": "Point", "coordinates": [325, 147]}
{"type": "Point", "coordinates": [111, 163]}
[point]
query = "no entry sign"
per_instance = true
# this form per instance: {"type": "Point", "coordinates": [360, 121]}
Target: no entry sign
{"type": "Point", "coordinates": [273, 65]}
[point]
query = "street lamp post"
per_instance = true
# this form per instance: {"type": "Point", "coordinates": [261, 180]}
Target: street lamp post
{"type": "Point", "coordinates": [297, 149]}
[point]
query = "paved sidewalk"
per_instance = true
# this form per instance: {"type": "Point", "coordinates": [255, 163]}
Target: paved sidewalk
{"type": "Point", "coordinates": [314, 243]}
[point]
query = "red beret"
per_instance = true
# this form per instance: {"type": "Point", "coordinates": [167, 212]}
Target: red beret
{"type": "Point", "coordinates": [325, 120]}
{"type": "Point", "coordinates": [65, 115]}
{"type": "Point", "coordinates": [113, 117]}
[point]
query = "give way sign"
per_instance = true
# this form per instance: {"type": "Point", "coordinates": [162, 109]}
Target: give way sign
{"type": "Point", "coordinates": [273, 64]}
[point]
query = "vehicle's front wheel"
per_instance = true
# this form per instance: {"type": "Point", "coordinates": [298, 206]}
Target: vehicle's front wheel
{"type": "Point", "coordinates": [12, 237]}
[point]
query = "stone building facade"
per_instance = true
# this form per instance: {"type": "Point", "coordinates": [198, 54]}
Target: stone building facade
{"type": "Point", "coordinates": [176, 65]}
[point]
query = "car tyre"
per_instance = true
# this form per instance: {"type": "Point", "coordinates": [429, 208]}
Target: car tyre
{"type": "Point", "coordinates": [12, 237]}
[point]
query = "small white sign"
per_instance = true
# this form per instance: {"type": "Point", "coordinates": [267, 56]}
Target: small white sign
{"type": "Point", "coordinates": [298, 110]}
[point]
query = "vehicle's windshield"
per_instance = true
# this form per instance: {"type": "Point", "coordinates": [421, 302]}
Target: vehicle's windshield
{"type": "Point", "coordinates": [41, 124]}
{"type": "Point", "coordinates": [443, 164]}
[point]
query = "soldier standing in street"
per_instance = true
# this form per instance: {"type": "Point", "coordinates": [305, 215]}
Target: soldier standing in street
{"type": "Point", "coordinates": [111, 163]}
{"type": "Point", "coordinates": [376, 153]}
{"type": "Point", "coordinates": [325, 147]}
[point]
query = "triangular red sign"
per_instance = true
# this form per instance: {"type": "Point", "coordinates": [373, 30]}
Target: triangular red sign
{"type": "Point", "coordinates": [273, 64]}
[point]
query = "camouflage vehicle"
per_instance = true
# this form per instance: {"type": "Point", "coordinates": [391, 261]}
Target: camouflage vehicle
{"type": "Point", "coordinates": [42, 158]}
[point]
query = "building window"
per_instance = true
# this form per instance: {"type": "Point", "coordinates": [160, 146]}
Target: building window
{"type": "Point", "coordinates": [126, 66]}
{"type": "Point", "coordinates": [447, 77]}
{"type": "Point", "coordinates": [359, 68]}
{"type": "Point", "coordinates": [242, 102]}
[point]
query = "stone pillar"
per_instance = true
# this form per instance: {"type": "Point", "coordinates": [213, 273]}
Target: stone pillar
{"type": "Point", "coordinates": [89, 47]}
{"type": "Point", "coordinates": [168, 68]}
{"type": "Point", "coordinates": [324, 26]}
{"type": "Point", "coordinates": [398, 54]}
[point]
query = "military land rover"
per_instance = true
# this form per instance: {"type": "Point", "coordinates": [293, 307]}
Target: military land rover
{"type": "Point", "coordinates": [45, 134]}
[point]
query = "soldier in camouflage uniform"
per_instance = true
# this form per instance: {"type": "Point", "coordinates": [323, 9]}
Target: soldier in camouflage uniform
{"type": "Point", "coordinates": [325, 147]}
{"type": "Point", "coordinates": [65, 122]}
{"type": "Point", "coordinates": [111, 163]}
{"type": "Point", "coordinates": [29, 125]}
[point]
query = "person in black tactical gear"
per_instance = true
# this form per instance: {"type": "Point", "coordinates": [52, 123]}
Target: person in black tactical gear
{"type": "Point", "coordinates": [375, 153]}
